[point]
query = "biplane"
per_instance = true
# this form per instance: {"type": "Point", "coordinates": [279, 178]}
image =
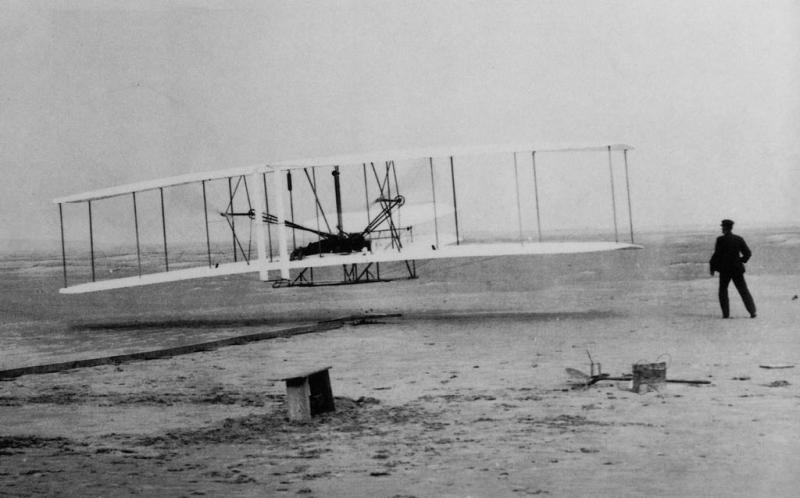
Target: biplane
{"type": "Point", "coordinates": [284, 219]}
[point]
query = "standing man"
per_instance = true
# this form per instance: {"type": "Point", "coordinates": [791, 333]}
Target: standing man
{"type": "Point", "coordinates": [730, 255]}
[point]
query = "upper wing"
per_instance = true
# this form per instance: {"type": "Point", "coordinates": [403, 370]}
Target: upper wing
{"type": "Point", "coordinates": [398, 155]}
{"type": "Point", "coordinates": [173, 181]}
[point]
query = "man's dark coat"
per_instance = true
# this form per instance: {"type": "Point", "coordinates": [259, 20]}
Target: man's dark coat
{"type": "Point", "coordinates": [730, 254]}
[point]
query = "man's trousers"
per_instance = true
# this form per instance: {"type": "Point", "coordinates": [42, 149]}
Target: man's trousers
{"type": "Point", "coordinates": [741, 286]}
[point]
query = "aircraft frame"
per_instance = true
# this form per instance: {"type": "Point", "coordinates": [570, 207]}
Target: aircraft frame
{"type": "Point", "coordinates": [269, 193]}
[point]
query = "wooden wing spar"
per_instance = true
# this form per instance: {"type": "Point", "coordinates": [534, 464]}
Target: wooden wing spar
{"type": "Point", "coordinates": [285, 219]}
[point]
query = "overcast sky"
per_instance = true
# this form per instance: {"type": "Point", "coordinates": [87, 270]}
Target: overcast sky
{"type": "Point", "coordinates": [99, 93]}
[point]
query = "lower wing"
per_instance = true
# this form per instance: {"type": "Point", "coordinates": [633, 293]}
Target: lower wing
{"type": "Point", "coordinates": [416, 252]}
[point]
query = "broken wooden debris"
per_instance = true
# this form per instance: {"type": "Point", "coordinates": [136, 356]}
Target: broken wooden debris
{"type": "Point", "coordinates": [588, 380]}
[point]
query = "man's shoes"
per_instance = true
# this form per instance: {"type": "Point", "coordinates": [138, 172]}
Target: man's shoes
{"type": "Point", "coordinates": [725, 316]}
{"type": "Point", "coordinates": [752, 315]}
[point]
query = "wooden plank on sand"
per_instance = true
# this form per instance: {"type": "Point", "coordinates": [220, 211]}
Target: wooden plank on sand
{"type": "Point", "coordinates": [166, 353]}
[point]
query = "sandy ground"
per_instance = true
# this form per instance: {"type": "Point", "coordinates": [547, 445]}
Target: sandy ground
{"type": "Point", "coordinates": [455, 399]}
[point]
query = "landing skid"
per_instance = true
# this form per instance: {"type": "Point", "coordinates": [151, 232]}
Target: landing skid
{"type": "Point", "coordinates": [369, 273]}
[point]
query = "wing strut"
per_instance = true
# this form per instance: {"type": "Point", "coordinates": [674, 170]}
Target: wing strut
{"type": "Point", "coordinates": [628, 189]}
{"type": "Point", "coordinates": [536, 195]}
{"type": "Point", "coordinates": [283, 253]}
{"type": "Point", "coordinates": [455, 204]}
{"type": "Point", "coordinates": [250, 209]}
{"type": "Point", "coordinates": [164, 228]}
{"type": "Point", "coordinates": [435, 214]}
{"type": "Point", "coordinates": [266, 205]}
{"type": "Point", "coordinates": [613, 197]}
{"type": "Point", "coordinates": [312, 182]}
{"type": "Point", "coordinates": [231, 221]}
{"type": "Point", "coordinates": [291, 205]}
{"type": "Point", "coordinates": [205, 214]}
{"type": "Point", "coordinates": [91, 239]}
{"type": "Point", "coordinates": [263, 274]}
{"type": "Point", "coordinates": [63, 249]}
{"type": "Point", "coordinates": [317, 209]}
{"type": "Point", "coordinates": [519, 208]}
{"type": "Point", "coordinates": [397, 187]}
{"type": "Point", "coordinates": [136, 228]}
{"type": "Point", "coordinates": [366, 189]}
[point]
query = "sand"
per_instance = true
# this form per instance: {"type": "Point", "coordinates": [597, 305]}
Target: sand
{"type": "Point", "coordinates": [464, 394]}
